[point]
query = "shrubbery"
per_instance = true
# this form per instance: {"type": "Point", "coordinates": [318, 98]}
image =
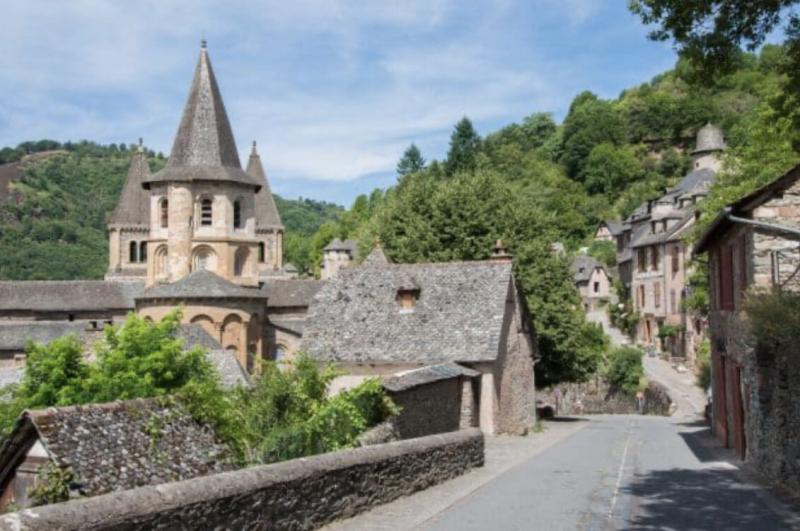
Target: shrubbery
{"type": "Point", "coordinates": [286, 414]}
{"type": "Point", "coordinates": [704, 365]}
{"type": "Point", "coordinates": [774, 318]}
{"type": "Point", "coordinates": [625, 370]}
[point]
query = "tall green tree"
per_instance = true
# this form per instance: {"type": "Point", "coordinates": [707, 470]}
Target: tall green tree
{"type": "Point", "coordinates": [411, 161]}
{"type": "Point", "coordinates": [464, 146]}
{"type": "Point", "coordinates": [590, 122]}
{"type": "Point", "coordinates": [609, 169]}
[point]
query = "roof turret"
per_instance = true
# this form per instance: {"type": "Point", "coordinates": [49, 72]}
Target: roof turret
{"type": "Point", "coordinates": [204, 148]}
{"type": "Point", "coordinates": [709, 138]}
{"type": "Point", "coordinates": [267, 215]}
{"type": "Point", "coordinates": [134, 203]}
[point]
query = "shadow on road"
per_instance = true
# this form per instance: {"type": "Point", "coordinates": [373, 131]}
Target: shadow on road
{"type": "Point", "coordinates": [698, 499]}
{"type": "Point", "coordinates": [567, 419]}
{"type": "Point", "coordinates": [704, 447]}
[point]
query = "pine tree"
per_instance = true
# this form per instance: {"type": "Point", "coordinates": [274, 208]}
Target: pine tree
{"type": "Point", "coordinates": [464, 146]}
{"type": "Point", "coordinates": [411, 161]}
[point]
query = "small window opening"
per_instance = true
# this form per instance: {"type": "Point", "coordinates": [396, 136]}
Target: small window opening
{"type": "Point", "coordinates": [164, 213]}
{"type": "Point", "coordinates": [71, 317]}
{"type": "Point", "coordinates": [205, 212]}
{"type": "Point", "coordinates": [237, 215]}
{"type": "Point", "coordinates": [143, 252]}
{"type": "Point", "coordinates": [597, 287]}
{"type": "Point", "coordinates": [407, 298]}
{"type": "Point", "coordinates": [261, 252]}
{"type": "Point", "coordinates": [132, 253]}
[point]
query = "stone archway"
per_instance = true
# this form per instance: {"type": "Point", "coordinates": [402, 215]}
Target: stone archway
{"type": "Point", "coordinates": [204, 258]}
{"type": "Point", "coordinates": [206, 322]}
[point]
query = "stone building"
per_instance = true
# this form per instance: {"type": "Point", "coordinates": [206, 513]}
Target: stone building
{"type": "Point", "coordinates": [654, 262]}
{"type": "Point", "coordinates": [752, 246]}
{"type": "Point", "coordinates": [608, 230]}
{"type": "Point", "coordinates": [108, 447]}
{"type": "Point", "coordinates": [384, 319]}
{"type": "Point", "coordinates": [592, 280]}
{"type": "Point", "coordinates": [336, 255]}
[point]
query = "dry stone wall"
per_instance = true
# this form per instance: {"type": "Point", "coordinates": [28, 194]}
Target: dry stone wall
{"type": "Point", "coordinates": [597, 397]}
{"type": "Point", "coordinates": [295, 495]}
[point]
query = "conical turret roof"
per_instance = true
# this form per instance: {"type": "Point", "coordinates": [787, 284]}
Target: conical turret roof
{"type": "Point", "coordinates": [134, 202]}
{"type": "Point", "coordinates": [709, 138]}
{"type": "Point", "coordinates": [267, 215]}
{"type": "Point", "coordinates": [204, 148]}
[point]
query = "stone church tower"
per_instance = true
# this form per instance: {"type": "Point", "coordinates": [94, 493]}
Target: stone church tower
{"type": "Point", "coordinates": [202, 211]}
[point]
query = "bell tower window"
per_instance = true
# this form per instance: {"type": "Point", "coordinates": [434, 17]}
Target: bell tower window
{"type": "Point", "coordinates": [261, 252]}
{"type": "Point", "coordinates": [143, 252]}
{"type": "Point", "coordinates": [164, 208]}
{"type": "Point", "coordinates": [205, 213]}
{"type": "Point", "coordinates": [237, 214]}
{"type": "Point", "coordinates": [132, 255]}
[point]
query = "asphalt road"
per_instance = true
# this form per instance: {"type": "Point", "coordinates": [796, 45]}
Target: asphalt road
{"type": "Point", "coordinates": [621, 472]}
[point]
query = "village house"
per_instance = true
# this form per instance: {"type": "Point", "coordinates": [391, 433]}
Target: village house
{"type": "Point", "coordinates": [592, 280]}
{"type": "Point", "coordinates": [108, 447]}
{"type": "Point", "coordinates": [608, 231]}
{"type": "Point", "coordinates": [336, 255]}
{"type": "Point", "coordinates": [654, 262]}
{"type": "Point", "coordinates": [385, 319]}
{"type": "Point", "coordinates": [752, 246]}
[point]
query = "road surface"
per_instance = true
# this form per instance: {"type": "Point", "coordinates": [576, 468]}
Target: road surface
{"type": "Point", "coordinates": [620, 472]}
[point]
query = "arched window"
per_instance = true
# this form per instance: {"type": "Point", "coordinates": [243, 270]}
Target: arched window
{"type": "Point", "coordinates": [143, 251]}
{"type": "Point", "coordinates": [164, 208]}
{"type": "Point", "coordinates": [237, 214]}
{"type": "Point", "coordinates": [160, 262]}
{"type": "Point", "coordinates": [240, 261]}
{"type": "Point", "coordinates": [206, 213]}
{"type": "Point", "coordinates": [132, 255]}
{"type": "Point", "coordinates": [261, 252]}
{"type": "Point", "coordinates": [204, 259]}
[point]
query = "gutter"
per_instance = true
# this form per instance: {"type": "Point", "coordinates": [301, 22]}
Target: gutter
{"type": "Point", "coordinates": [783, 230]}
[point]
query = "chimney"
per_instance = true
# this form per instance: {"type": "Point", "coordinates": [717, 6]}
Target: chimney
{"type": "Point", "coordinates": [499, 253]}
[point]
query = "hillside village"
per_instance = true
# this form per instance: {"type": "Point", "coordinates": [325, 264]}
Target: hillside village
{"type": "Point", "coordinates": [542, 302]}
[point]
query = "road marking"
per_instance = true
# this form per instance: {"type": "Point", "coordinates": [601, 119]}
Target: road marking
{"type": "Point", "coordinates": [620, 472]}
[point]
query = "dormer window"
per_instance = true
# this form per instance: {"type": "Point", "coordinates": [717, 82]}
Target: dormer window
{"type": "Point", "coordinates": [407, 298]}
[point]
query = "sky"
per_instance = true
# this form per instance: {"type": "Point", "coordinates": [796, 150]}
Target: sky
{"type": "Point", "coordinates": [333, 91]}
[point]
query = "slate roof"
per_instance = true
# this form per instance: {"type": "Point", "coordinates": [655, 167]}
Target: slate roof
{"type": "Point", "coordinates": [709, 138]}
{"type": "Point", "coordinates": [696, 181]}
{"type": "Point", "coordinates": [204, 148]}
{"type": "Point", "coordinates": [201, 284]}
{"type": "Point", "coordinates": [68, 295]}
{"type": "Point", "coordinates": [376, 257]}
{"type": "Point", "coordinates": [647, 237]}
{"type": "Point", "coordinates": [267, 215]}
{"type": "Point", "coordinates": [119, 445]}
{"type": "Point", "coordinates": [227, 364]}
{"type": "Point", "coordinates": [351, 246]}
{"type": "Point", "coordinates": [614, 227]}
{"type": "Point", "coordinates": [458, 316]}
{"type": "Point", "coordinates": [427, 375]}
{"type": "Point", "coordinates": [582, 267]}
{"type": "Point", "coordinates": [291, 292]}
{"type": "Point", "coordinates": [133, 207]}
{"type": "Point", "coordinates": [294, 326]}
{"type": "Point", "coordinates": [15, 335]}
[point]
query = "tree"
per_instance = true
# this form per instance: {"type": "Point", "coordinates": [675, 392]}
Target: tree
{"type": "Point", "coordinates": [609, 169]}
{"type": "Point", "coordinates": [464, 146]}
{"type": "Point", "coordinates": [590, 122]}
{"type": "Point", "coordinates": [411, 161]}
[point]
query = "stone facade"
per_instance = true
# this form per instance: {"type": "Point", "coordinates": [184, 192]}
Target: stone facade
{"type": "Point", "coordinates": [755, 388]}
{"type": "Point", "coordinates": [592, 280]}
{"type": "Point", "coordinates": [299, 494]}
{"type": "Point", "coordinates": [597, 397]}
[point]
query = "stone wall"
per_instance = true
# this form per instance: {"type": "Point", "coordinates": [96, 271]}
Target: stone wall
{"type": "Point", "coordinates": [597, 397]}
{"type": "Point", "coordinates": [299, 494]}
{"type": "Point", "coordinates": [429, 409]}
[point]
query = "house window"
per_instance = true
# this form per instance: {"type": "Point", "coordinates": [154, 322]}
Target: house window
{"type": "Point", "coordinates": [143, 252]}
{"type": "Point", "coordinates": [164, 208]}
{"type": "Point", "coordinates": [654, 258]}
{"type": "Point", "coordinates": [237, 215]}
{"type": "Point", "coordinates": [596, 287]}
{"type": "Point", "coordinates": [206, 213]}
{"type": "Point", "coordinates": [132, 249]}
{"type": "Point", "coordinates": [657, 295]}
{"type": "Point", "coordinates": [641, 297]}
{"type": "Point", "coordinates": [676, 260]}
{"type": "Point", "coordinates": [672, 302]}
{"type": "Point", "coordinates": [775, 267]}
{"type": "Point", "coordinates": [261, 252]}
{"type": "Point", "coordinates": [641, 255]}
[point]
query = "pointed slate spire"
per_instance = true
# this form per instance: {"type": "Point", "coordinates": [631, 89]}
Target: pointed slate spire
{"type": "Point", "coordinates": [267, 215]}
{"type": "Point", "coordinates": [204, 148]}
{"type": "Point", "coordinates": [134, 203]}
{"type": "Point", "coordinates": [376, 257]}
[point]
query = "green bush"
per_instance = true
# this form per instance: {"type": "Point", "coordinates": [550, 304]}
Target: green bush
{"type": "Point", "coordinates": [704, 365]}
{"type": "Point", "coordinates": [774, 318]}
{"type": "Point", "coordinates": [625, 370]}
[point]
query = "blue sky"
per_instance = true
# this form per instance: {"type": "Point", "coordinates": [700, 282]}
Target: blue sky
{"type": "Point", "coordinates": [332, 90]}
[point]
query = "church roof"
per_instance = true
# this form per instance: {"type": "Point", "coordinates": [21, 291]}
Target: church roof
{"type": "Point", "coordinates": [204, 148]}
{"type": "Point", "coordinates": [458, 315]}
{"type": "Point", "coordinates": [291, 292]}
{"type": "Point", "coordinates": [68, 295]}
{"type": "Point", "coordinates": [133, 207]}
{"type": "Point", "coordinates": [709, 138]}
{"type": "Point", "coordinates": [266, 212]}
{"type": "Point", "coordinates": [201, 284]}
{"type": "Point", "coordinates": [110, 447]}
{"type": "Point", "coordinates": [14, 335]}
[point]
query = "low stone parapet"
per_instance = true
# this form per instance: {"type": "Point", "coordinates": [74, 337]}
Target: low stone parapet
{"type": "Point", "coordinates": [302, 493]}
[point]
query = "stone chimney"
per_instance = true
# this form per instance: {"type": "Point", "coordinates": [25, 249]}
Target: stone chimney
{"type": "Point", "coordinates": [499, 252]}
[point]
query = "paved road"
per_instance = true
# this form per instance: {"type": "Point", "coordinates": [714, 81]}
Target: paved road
{"type": "Point", "coordinates": [620, 472]}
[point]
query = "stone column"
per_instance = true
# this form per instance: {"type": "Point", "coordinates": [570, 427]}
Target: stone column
{"type": "Point", "coordinates": [487, 405]}
{"type": "Point", "coordinates": [113, 249]}
{"type": "Point", "coordinates": [243, 345]}
{"type": "Point", "coordinates": [179, 231]}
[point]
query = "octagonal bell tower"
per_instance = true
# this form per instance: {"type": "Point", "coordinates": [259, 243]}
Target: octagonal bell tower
{"type": "Point", "coordinates": [203, 205]}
